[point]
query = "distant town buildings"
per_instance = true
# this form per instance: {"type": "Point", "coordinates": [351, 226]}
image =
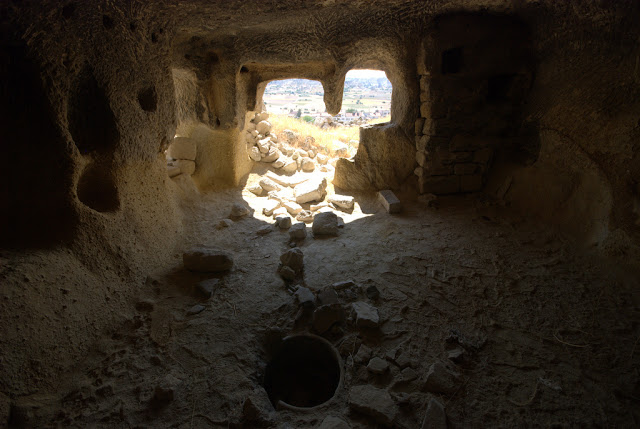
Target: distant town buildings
{"type": "Point", "coordinates": [363, 99]}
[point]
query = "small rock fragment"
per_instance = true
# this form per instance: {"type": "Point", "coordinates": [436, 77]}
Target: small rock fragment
{"type": "Point", "coordinates": [239, 210]}
{"type": "Point", "coordinates": [374, 402]}
{"type": "Point", "coordinates": [345, 202]}
{"type": "Point", "coordinates": [264, 230]}
{"type": "Point", "coordinates": [390, 202]}
{"type": "Point", "coordinates": [366, 315]}
{"type": "Point", "coordinates": [198, 308]}
{"type": "Point", "coordinates": [256, 189]}
{"type": "Point", "coordinates": [308, 165]}
{"type": "Point", "coordinates": [292, 208]}
{"type": "Point", "coordinates": [283, 222]}
{"type": "Point", "coordinates": [269, 185]}
{"type": "Point", "coordinates": [435, 417]}
{"type": "Point", "coordinates": [287, 273]}
{"type": "Point", "coordinates": [310, 190]}
{"type": "Point", "coordinates": [305, 297]}
{"type": "Point", "coordinates": [298, 231]}
{"type": "Point", "coordinates": [270, 206]}
{"type": "Point", "coordinates": [343, 284]}
{"type": "Point", "coordinates": [325, 224]}
{"type": "Point", "coordinates": [456, 355]}
{"type": "Point", "coordinates": [363, 355]}
{"type": "Point", "coordinates": [206, 288]}
{"type": "Point", "coordinates": [305, 216]}
{"type": "Point", "coordinates": [440, 380]}
{"type": "Point", "coordinates": [257, 408]}
{"type": "Point", "coordinates": [378, 366]}
{"type": "Point", "coordinates": [224, 223]}
{"type": "Point", "coordinates": [409, 374]}
{"type": "Point", "coordinates": [207, 259]}
{"type": "Point", "coordinates": [254, 154]}
{"type": "Point", "coordinates": [293, 258]}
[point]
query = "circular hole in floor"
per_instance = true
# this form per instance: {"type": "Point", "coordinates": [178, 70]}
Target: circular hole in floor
{"type": "Point", "coordinates": [304, 372]}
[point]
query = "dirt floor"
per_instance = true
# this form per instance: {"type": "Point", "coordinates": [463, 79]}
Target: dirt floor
{"type": "Point", "coordinates": [540, 334]}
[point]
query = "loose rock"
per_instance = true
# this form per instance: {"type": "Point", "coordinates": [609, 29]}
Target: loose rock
{"type": "Point", "coordinates": [305, 297]}
{"type": "Point", "coordinates": [373, 402]}
{"type": "Point", "coordinates": [287, 273]}
{"type": "Point", "coordinates": [224, 223]}
{"type": "Point", "coordinates": [328, 296]}
{"type": "Point", "coordinates": [292, 208]}
{"type": "Point", "coordinates": [440, 380]}
{"type": "Point", "coordinates": [270, 206]}
{"type": "Point", "coordinates": [239, 210]}
{"type": "Point", "coordinates": [298, 231]}
{"type": "Point", "coordinates": [186, 166]}
{"type": "Point", "coordinates": [255, 155]}
{"type": "Point", "coordinates": [283, 222]}
{"type": "Point", "coordinates": [198, 308]}
{"type": "Point", "coordinates": [308, 165]}
{"type": "Point", "coordinates": [343, 201]}
{"type": "Point", "coordinates": [372, 293]}
{"type": "Point", "coordinates": [363, 355]}
{"type": "Point", "coordinates": [390, 202]}
{"type": "Point", "coordinates": [435, 417]}
{"type": "Point", "coordinates": [263, 127]}
{"type": "Point", "coordinates": [269, 185]}
{"type": "Point", "coordinates": [294, 259]}
{"type": "Point", "coordinates": [256, 189]}
{"type": "Point", "coordinates": [305, 216]}
{"type": "Point", "coordinates": [366, 315]}
{"type": "Point", "coordinates": [264, 230]}
{"type": "Point", "coordinates": [206, 288]}
{"type": "Point", "coordinates": [207, 259]}
{"type": "Point", "coordinates": [378, 366]}
{"type": "Point", "coordinates": [311, 190]}
{"type": "Point", "coordinates": [325, 224]}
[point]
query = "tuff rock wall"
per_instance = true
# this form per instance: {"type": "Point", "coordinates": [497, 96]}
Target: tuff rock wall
{"type": "Point", "coordinates": [535, 102]}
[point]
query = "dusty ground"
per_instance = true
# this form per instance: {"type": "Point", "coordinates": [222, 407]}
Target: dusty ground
{"type": "Point", "coordinates": [550, 333]}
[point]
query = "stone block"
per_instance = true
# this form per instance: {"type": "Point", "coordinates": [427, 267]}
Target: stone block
{"type": "Point", "coordinates": [465, 169]}
{"type": "Point", "coordinates": [183, 148]}
{"type": "Point", "coordinates": [390, 202]}
{"type": "Point", "coordinates": [418, 126]}
{"type": "Point", "coordinates": [421, 158]}
{"type": "Point", "coordinates": [471, 183]}
{"type": "Point", "coordinates": [439, 185]}
{"type": "Point", "coordinates": [421, 143]}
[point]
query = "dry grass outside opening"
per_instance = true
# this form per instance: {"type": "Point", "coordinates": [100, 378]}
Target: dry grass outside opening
{"type": "Point", "coordinates": [325, 139]}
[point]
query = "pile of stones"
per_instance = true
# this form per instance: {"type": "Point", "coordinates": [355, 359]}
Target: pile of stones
{"type": "Point", "coordinates": [266, 146]}
{"type": "Point", "coordinates": [286, 196]}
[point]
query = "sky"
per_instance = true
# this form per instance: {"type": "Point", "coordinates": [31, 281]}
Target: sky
{"type": "Point", "coordinates": [366, 73]}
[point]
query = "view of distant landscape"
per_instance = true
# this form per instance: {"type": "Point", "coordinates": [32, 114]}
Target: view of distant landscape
{"type": "Point", "coordinates": [367, 96]}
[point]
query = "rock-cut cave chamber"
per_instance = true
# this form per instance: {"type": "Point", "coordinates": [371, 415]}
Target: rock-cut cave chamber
{"type": "Point", "coordinates": [504, 293]}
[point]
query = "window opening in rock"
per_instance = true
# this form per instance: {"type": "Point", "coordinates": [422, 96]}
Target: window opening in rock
{"type": "Point", "coordinates": [297, 144]}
